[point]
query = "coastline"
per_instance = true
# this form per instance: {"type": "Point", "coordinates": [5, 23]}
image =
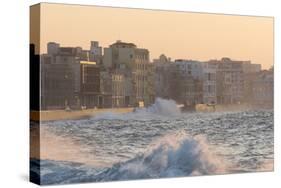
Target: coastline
{"type": "Point", "coordinates": [50, 115]}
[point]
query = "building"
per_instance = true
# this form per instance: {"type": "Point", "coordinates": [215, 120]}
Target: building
{"type": "Point", "coordinates": [150, 84]}
{"type": "Point", "coordinates": [60, 84]}
{"type": "Point", "coordinates": [106, 88]}
{"type": "Point", "coordinates": [69, 79]}
{"type": "Point", "coordinates": [189, 82]}
{"type": "Point", "coordinates": [118, 90]}
{"type": "Point", "coordinates": [181, 80]}
{"type": "Point", "coordinates": [163, 75]}
{"type": "Point", "coordinates": [250, 75]}
{"type": "Point", "coordinates": [132, 62]}
{"type": "Point", "coordinates": [229, 81]}
{"type": "Point", "coordinates": [209, 83]}
{"type": "Point", "coordinates": [90, 85]}
{"type": "Point", "coordinates": [95, 53]}
{"type": "Point", "coordinates": [112, 89]}
{"type": "Point", "coordinates": [263, 88]}
{"type": "Point", "coordinates": [248, 67]}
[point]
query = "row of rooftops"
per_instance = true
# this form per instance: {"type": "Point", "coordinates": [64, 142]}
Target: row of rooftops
{"type": "Point", "coordinates": [121, 44]}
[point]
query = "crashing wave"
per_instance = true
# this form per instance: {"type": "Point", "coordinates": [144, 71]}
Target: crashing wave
{"type": "Point", "coordinates": [161, 108]}
{"type": "Point", "coordinates": [172, 156]}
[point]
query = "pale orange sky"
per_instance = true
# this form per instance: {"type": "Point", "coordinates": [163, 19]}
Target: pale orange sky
{"type": "Point", "coordinates": [176, 34]}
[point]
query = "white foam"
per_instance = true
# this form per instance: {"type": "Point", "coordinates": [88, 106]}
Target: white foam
{"type": "Point", "coordinates": [172, 156]}
{"type": "Point", "coordinates": [160, 109]}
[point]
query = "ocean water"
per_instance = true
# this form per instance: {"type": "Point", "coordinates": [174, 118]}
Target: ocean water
{"type": "Point", "coordinates": [155, 142]}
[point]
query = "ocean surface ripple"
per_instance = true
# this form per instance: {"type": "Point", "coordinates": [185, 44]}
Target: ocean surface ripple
{"type": "Point", "coordinates": [155, 142]}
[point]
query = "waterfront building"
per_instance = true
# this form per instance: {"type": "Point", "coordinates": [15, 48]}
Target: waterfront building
{"type": "Point", "coordinates": [250, 75]}
{"type": "Point", "coordinates": [150, 84]}
{"type": "Point", "coordinates": [118, 90]}
{"type": "Point", "coordinates": [59, 86]}
{"type": "Point", "coordinates": [106, 88]}
{"type": "Point", "coordinates": [209, 83]}
{"type": "Point", "coordinates": [163, 71]}
{"type": "Point", "coordinates": [95, 52]}
{"type": "Point", "coordinates": [263, 88]}
{"type": "Point", "coordinates": [189, 81]}
{"type": "Point", "coordinates": [60, 70]}
{"type": "Point", "coordinates": [181, 80]}
{"type": "Point", "coordinates": [249, 67]}
{"type": "Point", "coordinates": [132, 62]}
{"type": "Point", "coordinates": [113, 89]}
{"type": "Point", "coordinates": [229, 81]}
{"type": "Point", "coordinates": [90, 85]}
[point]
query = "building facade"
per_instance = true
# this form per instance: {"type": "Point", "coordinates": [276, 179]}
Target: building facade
{"type": "Point", "coordinates": [60, 80]}
{"type": "Point", "coordinates": [95, 53]}
{"type": "Point", "coordinates": [263, 88]}
{"type": "Point", "coordinates": [229, 81]}
{"type": "Point", "coordinates": [250, 76]}
{"type": "Point", "coordinates": [124, 77]}
{"type": "Point", "coordinates": [209, 83]}
{"type": "Point", "coordinates": [190, 81]}
{"type": "Point", "coordinates": [90, 85]}
{"type": "Point", "coordinates": [132, 62]}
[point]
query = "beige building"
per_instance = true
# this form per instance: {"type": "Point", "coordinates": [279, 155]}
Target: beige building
{"type": "Point", "coordinates": [229, 81]}
{"type": "Point", "coordinates": [250, 75]}
{"type": "Point", "coordinates": [133, 63]}
{"type": "Point", "coordinates": [209, 83]}
{"type": "Point", "coordinates": [118, 90]}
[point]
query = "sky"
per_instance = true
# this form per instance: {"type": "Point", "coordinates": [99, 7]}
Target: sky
{"type": "Point", "coordinates": [179, 35]}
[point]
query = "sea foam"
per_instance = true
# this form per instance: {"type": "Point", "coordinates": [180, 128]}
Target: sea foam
{"type": "Point", "coordinates": [160, 109]}
{"type": "Point", "coordinates": [171, 156]}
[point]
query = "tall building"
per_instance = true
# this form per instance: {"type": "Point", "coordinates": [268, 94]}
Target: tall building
{"type": "Point", "coordinates": [250, 75]}
{"type": "Point", "coordinates": [163, 76]}
{"type": "Point", "coordinates": [118, 90]}
{"type": "Point", "coordinates": [209, 83]}
{"type": "Point", "coordinates": [53, 48]}
{"type": "Point", "coordinates": [112, 89]}
{"type": "Point", "coordinates": [60, 84]}
{"type": "Point", "coordinates": [90, 85]}
{"type": "Point", "coordinates": [263, 88]}
{"type": "Point", "coordinates": [106, 88]}
{"type": "Point", "coordinates": [132, 62]}
{"type": "Point", "coordinates": [181, 80]}
{"type": "Point", "coordinates": [229, 81]}
{"type": "Point", "coordinates": [189, 81]}
{"type": "Point", "coordinates": [95, 53]}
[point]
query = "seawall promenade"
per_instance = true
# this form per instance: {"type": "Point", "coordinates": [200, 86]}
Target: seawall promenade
{"type": "Point", "coordinates": [50, 115]}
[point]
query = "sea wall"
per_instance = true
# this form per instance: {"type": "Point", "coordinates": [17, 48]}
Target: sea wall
{"type": "Point", "coordinates": [229, 107]}
{"type": "Point", "coordinates": [77, 114]}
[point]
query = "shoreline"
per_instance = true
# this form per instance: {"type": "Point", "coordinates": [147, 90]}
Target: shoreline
{"type": "Point", "coordinates": [50, 115]}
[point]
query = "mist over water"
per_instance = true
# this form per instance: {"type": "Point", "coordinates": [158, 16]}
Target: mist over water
{"type": "Point", "coordinates": [160, 109]}
{"type": "Point", "coordinates": [159, 141]}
